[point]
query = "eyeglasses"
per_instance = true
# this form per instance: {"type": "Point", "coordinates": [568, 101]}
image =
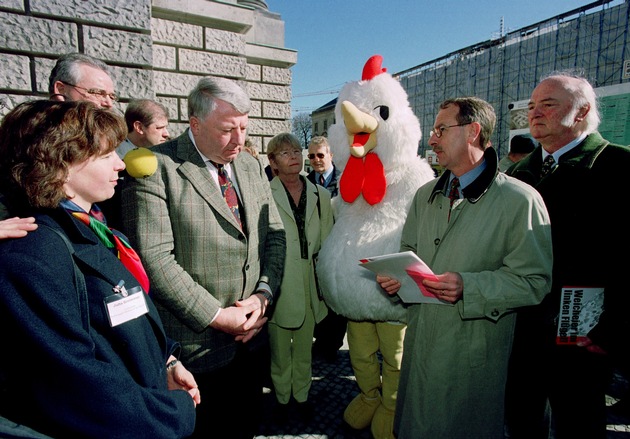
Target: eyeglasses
{"type": "Point", "coordinates": [96, 92]}
{"type": "Point", "coordinates": [293, 152]}
{"type": "Point", "coordinates": [437, 132]}
{"type": "Point", "coordinates": [319, 155]}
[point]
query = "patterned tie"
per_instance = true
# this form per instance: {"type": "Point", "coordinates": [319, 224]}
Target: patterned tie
{"type": "Point", "coordinates": [453, 194]}
{"type": "Point", "coordinates": [228, 191]}
{"type": "Point", "coordinates": [547, 165]}
{"type": "Point", "coordinates": [321, 180]}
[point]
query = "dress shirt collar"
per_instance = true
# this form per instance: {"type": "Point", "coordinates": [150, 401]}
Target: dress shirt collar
{"type": "Point", "coordinates": [566, 148]}
{"type": "Point", "coordinates": [468, 177]}
{"type": "Point", "coordinates": [209, 164]}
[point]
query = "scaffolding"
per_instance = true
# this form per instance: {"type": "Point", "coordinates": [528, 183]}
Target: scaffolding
{"type": "Point", "coordinates": [592, 40]}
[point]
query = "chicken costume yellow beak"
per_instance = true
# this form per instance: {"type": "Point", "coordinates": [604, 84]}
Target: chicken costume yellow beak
{"type": "Point", "coordinates": [361, 127]}
{"type": "Point", "coordinates": [364, 173]}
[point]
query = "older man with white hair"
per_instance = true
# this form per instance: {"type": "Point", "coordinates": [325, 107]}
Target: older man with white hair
{"type": "Point", "coordinates": [582, 178]}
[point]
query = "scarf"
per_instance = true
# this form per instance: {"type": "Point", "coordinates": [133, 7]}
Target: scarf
{"type": "Point", "coordinates": [113, 240]}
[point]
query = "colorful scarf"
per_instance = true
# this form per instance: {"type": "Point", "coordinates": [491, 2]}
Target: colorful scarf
{"type": "Point", "coordinates": [114, 240]}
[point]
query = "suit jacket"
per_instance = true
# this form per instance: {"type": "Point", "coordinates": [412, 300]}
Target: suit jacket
{"type": "Point", "coordinates": [290, 308]}
{"type": "Point", "coordinates": [590, 235]}
{"type": "Point", "coordinates": [333, 185]}
{"type": "Point", "coordinates": [197, 257]}
{"type": "Point", "coordinates": [68, 381]}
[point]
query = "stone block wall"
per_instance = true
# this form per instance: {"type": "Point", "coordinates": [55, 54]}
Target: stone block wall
{"type": "Point", "coordinates": [156, 49]}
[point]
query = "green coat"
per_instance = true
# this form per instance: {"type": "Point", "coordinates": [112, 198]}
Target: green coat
{"type": "Point", "coordinates": [455, 357]}
{"type": "Point", "coordinates": [584, 194]}
{"type": "Point", "coordinates": [589, 231]}
{"type": "Point", "coordinates": [290, 306]}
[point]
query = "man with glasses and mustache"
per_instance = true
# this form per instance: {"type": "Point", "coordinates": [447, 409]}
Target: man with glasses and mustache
{"type": "Point", "coordinates": [487, 238]}
{"type": "Point", "coordinates": [329, 333]}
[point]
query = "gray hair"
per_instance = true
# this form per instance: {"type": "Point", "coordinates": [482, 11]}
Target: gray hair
{"type": "Point", "coordinates": [583, 94]}
{"type": "Point", "coordinates": [201, 100]}
{"type": "Point", "coordinates": [67, 69]}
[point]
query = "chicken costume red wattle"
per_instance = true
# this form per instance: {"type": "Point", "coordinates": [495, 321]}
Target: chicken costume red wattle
{"type": "Point", "coordinates": [375, 142]}
{"type": "Point", "coordinates": [364, 172]}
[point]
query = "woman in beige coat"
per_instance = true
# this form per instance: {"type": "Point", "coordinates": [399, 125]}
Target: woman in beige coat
{"type": "Point", "coordinates": [307, 216]}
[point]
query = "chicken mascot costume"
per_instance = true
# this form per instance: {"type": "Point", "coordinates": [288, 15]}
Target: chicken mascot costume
{"type": "Point", "coordinates": [375, 141]}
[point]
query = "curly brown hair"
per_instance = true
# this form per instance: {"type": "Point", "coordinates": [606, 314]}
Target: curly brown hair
{"type": "Point", "coordinates": [40, 139]}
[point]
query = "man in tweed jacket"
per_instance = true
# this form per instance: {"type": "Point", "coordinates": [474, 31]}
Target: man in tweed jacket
{"type": "Point", "coordinates": [212, 278]}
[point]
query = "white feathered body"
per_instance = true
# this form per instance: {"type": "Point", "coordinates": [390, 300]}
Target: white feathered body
{"type": "Point", "coordinates": [362, 230]}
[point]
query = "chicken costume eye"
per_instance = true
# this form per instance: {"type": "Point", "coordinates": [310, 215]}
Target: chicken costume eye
{"type": "Point", "coordinates": [383, 111]}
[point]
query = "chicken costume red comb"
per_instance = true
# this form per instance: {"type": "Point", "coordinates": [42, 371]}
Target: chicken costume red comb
{"type": "Point", "coordinates": [365, 175]}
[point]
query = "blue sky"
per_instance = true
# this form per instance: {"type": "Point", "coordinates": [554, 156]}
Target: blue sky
{"type": "Point", "coordinates": [334, 38]}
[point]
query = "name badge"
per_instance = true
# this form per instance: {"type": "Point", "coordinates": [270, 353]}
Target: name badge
{"type": "Point", "coordinates": [125, 305]}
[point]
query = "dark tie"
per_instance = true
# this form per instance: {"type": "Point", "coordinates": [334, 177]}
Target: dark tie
{"type": "Point", "coordinates": [228, 191]}
{"type": "Point", "coordinates": [547, 165]}
{"type": "Point", "coordinates": [321, 180]}
{"type": "Point", "coordinates": [453, 194]}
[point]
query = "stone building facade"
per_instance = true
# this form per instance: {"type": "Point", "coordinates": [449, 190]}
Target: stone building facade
{"type": "Point", "coordinates": [157, 49]}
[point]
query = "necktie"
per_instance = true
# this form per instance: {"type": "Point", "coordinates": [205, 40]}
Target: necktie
{"type": "Point", "coordinates": [321, 180]}
{"type": "Point", "coordinates": [118, 242]}
{"type": "Point", "coordinates": [229, 193]}
{"type": "Point", "coordinates": [547, 165]}
{"type": "Point", "coordinates": [453, 194]}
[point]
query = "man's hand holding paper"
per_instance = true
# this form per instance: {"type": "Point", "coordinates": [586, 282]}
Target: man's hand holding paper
{"type": "Point", "coordinates": [404, 274]}
{"type": "Point", "coordinates": [448, 287]}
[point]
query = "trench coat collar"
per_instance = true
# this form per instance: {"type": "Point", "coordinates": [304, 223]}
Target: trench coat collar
{"type": "Point", "coordinates": [474, 191]}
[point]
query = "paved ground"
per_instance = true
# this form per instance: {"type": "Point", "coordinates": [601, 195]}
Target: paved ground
{"type": "Point", "coordinates": [332, 390]}
{"type": "Point", "coordinates": [334, 387]}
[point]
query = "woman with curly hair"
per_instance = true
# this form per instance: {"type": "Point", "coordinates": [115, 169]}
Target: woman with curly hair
{"type": "Point", "coordinates": [88, 354]}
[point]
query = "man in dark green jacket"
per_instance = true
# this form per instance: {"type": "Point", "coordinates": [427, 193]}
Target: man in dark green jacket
{"type": "Point", "coordinates": [580, 176]}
